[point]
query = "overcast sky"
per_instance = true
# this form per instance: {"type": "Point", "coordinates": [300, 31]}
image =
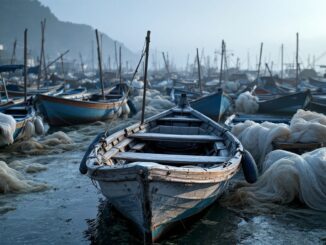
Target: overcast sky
{"type": "Point", "coordinates": [180, 26]}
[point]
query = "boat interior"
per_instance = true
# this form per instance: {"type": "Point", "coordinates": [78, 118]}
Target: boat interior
{"type": "Point", "coordinates": [177, 139]}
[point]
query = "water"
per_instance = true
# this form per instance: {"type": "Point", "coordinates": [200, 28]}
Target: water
{"type": "Point", "coordinates": [73, 211]}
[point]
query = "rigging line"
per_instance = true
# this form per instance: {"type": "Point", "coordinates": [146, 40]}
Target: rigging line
{"type": "Point", "coordinates": [125, 94]}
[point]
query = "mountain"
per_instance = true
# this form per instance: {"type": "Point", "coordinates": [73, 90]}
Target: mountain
{"type": "Point", "coordinates": [16, 15]}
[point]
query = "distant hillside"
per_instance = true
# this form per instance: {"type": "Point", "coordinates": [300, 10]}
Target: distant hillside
{"type": "Point", "coordinates": [16, 15]}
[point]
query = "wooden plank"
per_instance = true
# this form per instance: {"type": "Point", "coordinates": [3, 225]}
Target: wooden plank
{"type": "Point", "coordinates": [169, 158]}
{"type": "Point", "coordinates": [138, 146]}
{"type": "Point", "coordinates": [177, 137]}
{"type": "Point", "coordinates": [180, 119]}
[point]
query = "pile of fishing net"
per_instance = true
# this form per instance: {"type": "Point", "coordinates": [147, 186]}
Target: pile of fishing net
{"type": "Point", "coordinates": [231, 86]}
{"type": "Point", "coordinates": [286, 177]}
{"type": "Point", "coordinates": [305, 127]}
{"type": "Point", "coordinates": [13, 181]}
{"type": "Point", "coordinates": [246, 103]}
{"type": "Point", "coordinates": [50, 144]}
{"type": "Point", "coordinates": [155, 103]}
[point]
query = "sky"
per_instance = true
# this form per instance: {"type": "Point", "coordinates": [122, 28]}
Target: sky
{"type": "Point", "coordinates": [180, 26]}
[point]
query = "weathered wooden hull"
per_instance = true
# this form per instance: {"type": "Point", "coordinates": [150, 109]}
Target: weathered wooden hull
{"type": "Point", "coordinates": [317, 107]}
{"type": "Point", "coordinates": [287, 104]}
{"type": "Point", "coordinates": [170, 202]}
{"type": "Point", "coordinates": [155, 188]}
{"type": "Point", "coordinates": [213, 105]}
{"type": "Point", "coordinates": [61, 111]}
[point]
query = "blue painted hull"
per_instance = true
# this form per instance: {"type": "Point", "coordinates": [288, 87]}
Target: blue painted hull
{"type": "Point", "coordinates": [288, 104]}
{"type": "Point", "coordinates": [64, 112]}
{"type": "Point", "coordinates": [213, 105]}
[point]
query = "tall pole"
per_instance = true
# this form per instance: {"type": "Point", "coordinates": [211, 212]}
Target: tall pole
{"type": "Point", "coordinates": [282, 56]}
{"type": "Point", "coordinates": [297, 62]}
{"type": "Point", "coordinates": [145, 76]}
{"type": "Point", "coordinates": [42, 55]}
{"type": "Point", "coordinates": [199, 78]}
{"type": "Point", "coordinates": [13, 56]}
{"type": "Point", "coordinates": [116, 57]}
{"type": "Point", "coordinates": [120, 66]}
{"type": "Point", "coordinates": [100, 63]}
{"type": "Point", "coordinates": [221, 69]}
{"type": "Point", "coordinates": [25, 65]}
{"type": "Point", "coordinates": [81, 63]}
{"type": "Point", "coordinates": [259, 63]}
{"type": "Point", "coordinates": [63, 74]}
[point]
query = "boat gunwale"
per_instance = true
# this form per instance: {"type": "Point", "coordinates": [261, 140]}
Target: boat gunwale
{"type": "Point", "coordinates": [162, 172]}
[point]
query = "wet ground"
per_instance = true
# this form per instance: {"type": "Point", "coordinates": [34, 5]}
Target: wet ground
{"type": "Point", "coordinates": [73, 211]}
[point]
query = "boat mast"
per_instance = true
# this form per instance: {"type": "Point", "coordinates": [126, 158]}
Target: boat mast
{"type": "Point", "coordinates": [297, 62]}
{"type": "Point", "coordinates": [145, 75]}
{"type": "Point", "coordinates": [221, 69]}
{"type": "Point", "coordinates": [120, 66]}
{"type": "Point", "coordinates": [259, 63]}
{"type": "Point", "coordinates": [282, 55]}
{"type": "Point", "coordinates": [100, 63]}
{"type": "Point", "coordinates": [13, 56]}
{"type": "Point", "coordinates": [25, 65]}
{"type": "Point", "coordinates": [199, 78]}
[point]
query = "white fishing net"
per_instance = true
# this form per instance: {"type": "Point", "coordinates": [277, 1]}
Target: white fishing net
{"type": "Point", "coordinates": [286, 177]}
{"type": "Point", "coordinates": [305, 127]}
{"type": "Point", "coordinates": [246, 103]}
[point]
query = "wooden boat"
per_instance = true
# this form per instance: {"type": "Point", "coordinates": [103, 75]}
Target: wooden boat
{"type": "Point", "coordinates": [287, 104]}
{"type": "Point", "coordinates": [319, 82]}
{"type": "Point", "coordinates": [18, 91]}
{"type": "Point", "coordinates": [22, 113]}
{"type": "Point", "coordinates": [258, 118]}
{"type": "Point", "coordinates": [317, 107]}
{"type": "Point", "coordinates": [213, 105]}
{"type": "Point", "coordinates": [166, 170]}
{"type": "Point", "coordinates": [59, 111]}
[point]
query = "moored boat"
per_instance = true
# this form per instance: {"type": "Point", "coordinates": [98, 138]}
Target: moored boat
{"type": "Point", "coordinates": [213, 105]}
{"type": "Point", "coordinates": [287, 104]}
{"type": "Point", "coordinates": [22, 113]}
{"type": "Point", "coordinates": [61, 111]}
{"type": "Point", "coordinates": [165, 170]}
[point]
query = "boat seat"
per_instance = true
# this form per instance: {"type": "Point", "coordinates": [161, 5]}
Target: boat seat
{"type": "Point", "coordinates": [179, 119]}
{"type": "Point", "coordinates": [177, 137]}
{"type": "Point", "coordinates": [169, 158]}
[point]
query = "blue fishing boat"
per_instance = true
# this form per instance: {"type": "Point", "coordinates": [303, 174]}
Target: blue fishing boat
{"type": "Point", "coordinates": [22, 113]}
{"type": "Point", "coordinates": [60, 111]}
{"type": "Point", "coordinates": [168, 169]}
{"type": "Point", "coordinates": [287, 104]}
{"type": "Point", "coordinates": [213, 105]}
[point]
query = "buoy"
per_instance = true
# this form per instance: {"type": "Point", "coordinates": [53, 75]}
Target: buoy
{"type": "Point", "coordinates": [83, 166]}
{"type": "Point", "coordinates": [249, 167]}
{"type": "Point", "coordinates": [132, 108]}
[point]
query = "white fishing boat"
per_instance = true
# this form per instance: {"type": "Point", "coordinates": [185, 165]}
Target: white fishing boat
{"type": "Point", "coordinates": [165, 170]}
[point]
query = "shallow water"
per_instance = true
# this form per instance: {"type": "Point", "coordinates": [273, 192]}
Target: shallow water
{"type": "Point", "coordinates": [73, 211]}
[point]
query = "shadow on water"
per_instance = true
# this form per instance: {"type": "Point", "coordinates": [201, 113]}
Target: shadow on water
{"type": "Point", "coordinates": [215, 224]}
{"type": "Point", "coordinates": [109, 227]}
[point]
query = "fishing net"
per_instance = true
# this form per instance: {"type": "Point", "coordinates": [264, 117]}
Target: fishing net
{"type": "Point", "coordinates": [305, 127]}
{"type": "Point", "coordinates": [287, 177]}
{"type": "Point", "coordinates": [246, 103]}
{"type": "Point", "coordinates": [12, 181]}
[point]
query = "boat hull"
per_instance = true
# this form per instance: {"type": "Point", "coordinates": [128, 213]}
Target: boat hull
{"type": "Point", "coordinates": [170, 202]}
{"type": "Point", "coordinates": [287, 104]}
{"type": "Point", "coordinates": [61, 111]}
{"type": "Point", "coordinates": [213, 105]}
